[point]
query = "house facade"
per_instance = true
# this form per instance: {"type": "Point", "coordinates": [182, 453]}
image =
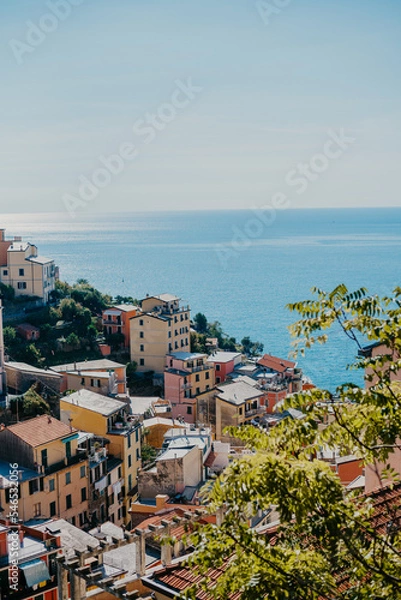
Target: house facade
{"type": "Point", "coordinates": [187, 375]}
{"type": "Point", "coordinates": [161, 327]}
{"type": "Point", "coordinates": [117, 320]}
{"type": "Point", "coordinates": [22, 268]}
{"type": "Point", "coordinates": [110, 419]}
{"type": "Point", "coordinates": [53, 479]}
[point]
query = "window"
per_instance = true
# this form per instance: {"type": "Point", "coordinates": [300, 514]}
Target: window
{"type": "Point", "coordinates": [142, 362]}
{"type": "Point", "coordinates": [5, 272]}
{"type": "Point", "coordinates": [240, 410]}
{"type": "Point", "coordinates": [21, 272]}
{"type": "Point", "coordinates": [138, 456]}
{"type": "Point", "coordinates": [68, 501]}
{"type": "Point", "coordinates": [68, 449]}
{"type": "Point", "coordinates": [52, 508]}
{"type": "Point", "coordinates": [98, 383]}
{"type": "Point", "coordinates": [73, 521]}
{"type": "Point", "coordinates": [92, 383]}
{"type": "Point", "coordinates": [33, 486]}
{"type": "Point", "coordinates": [207, 375]}
{"type": "Point", "coordinates": [197, 377]}
{"type": "Point", "coordinates": [37, 509]}
{"type": "Point", "coordinates": [51, 485]}
{"type": "Point", "coordinates": [82, 380]}
{"type": "Point", "coordinates": [129, 483]}
{"type": "Point", "coordinates": [141, 334]}
{"type": "Point", "coordinates": [129, 440]}
{"type": "Point", "coordinates": [109, 479]}
{"type": "Point", "coordinates": [197, 391]}
{"type": "Point", "coordinates": [44, 458]}
{"type": "Point", "coordinates": [218, 379]}
{"type": "Point", "coordinates": [82, 471]}
{"type": "Point", "coordinates": [217, 367]}
{"type": "Point", "coordinates": [83, 494]}
{"type": "Point", "coordinates": [68, 478]}
{"type": "Point", "coordinates": [141, 322]}
{"type": "Point", "coordinates": [189, 410]}
{"type": "Point", "coordinates": [129, 461]}
{"type": "Point", "coordinates": [22, 285]}
{"type": "Point", "coordinates": [137, 435]}
{"type": "Point", "coordinates": [142, 348]}
{"type": "Point", "coordinates": [119, 472]}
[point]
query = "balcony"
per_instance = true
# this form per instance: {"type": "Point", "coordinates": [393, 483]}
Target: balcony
{"type": "Point", "coordinates": [253, 412]}
{"type": "Point", "coordinates": [186, 386]}
{"type": "Point", "coordinates": [66, 462]}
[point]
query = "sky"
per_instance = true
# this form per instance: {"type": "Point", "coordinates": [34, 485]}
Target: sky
{"type": "Point", "coordinates": [118, 105]}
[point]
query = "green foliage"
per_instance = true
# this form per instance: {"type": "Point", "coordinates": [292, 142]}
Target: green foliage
{"type": "Point", "coordinates": [73, 340]}
{"type": "Point", "coordinates": [148, 454]}
{"type": "Point", "coordinates": [7, 293]}
{"type": "Point", "coordinates": [29, 405]}
{"type": "Point", "coordinates": [10, 336]}
{"type": "Point", "coordinates": [324, 535]}
{"type": "Point", "coordinates": [251, 348]}
{"type": "Point", "coordinates": [200, 323]}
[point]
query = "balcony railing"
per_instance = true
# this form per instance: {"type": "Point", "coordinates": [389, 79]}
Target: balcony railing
{"type": "Point", "coordinates": [255, 411]}
{"type": "Point", "coordinates": [186, 386]}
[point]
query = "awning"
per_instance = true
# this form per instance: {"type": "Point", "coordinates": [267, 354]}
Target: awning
{"type": "Point", "coordinates": [35, 572]}
{"type": "Point", "coordinates": [70, 438]}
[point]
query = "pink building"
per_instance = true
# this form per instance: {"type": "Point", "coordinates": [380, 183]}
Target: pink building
{"type": "Point", "coordinates": [186, 376]}
{"type": "Point", "coordinates": [224, 363]}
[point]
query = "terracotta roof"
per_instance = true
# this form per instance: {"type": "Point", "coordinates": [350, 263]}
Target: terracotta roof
{"type": "Point", "coordinates": [40, 430]}
{"type": "Point", "coordinates": [276, 364]}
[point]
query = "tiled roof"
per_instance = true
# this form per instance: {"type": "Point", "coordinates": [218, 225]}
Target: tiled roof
{"type": "Point", "coordinates": [237, 393]}
{"type": "Point", "coordinates": [276, 364]}
{"type": "Point", "coordinates": [41, 430]}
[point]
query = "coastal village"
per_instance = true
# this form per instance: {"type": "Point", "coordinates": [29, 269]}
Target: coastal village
{"type": "Point", "coordinates": [114, 416]}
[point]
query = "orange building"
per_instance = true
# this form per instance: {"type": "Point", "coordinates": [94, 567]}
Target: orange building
{"type": "Point", "coordinates": [117, 320]}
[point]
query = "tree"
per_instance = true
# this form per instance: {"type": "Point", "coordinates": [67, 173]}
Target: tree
{"type": "Point", "coordinates": [200, 323]}
{"type": "Point", "coordinates": [325, 536]}
{"type": "Point", "coordinates": [29, 405]}
{"type": "Point", "coordinates": [251, 348]}
{"type": "Point", "coordinates": [10, 336]}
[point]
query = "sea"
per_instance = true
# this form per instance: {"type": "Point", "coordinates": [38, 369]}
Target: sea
{"type": "Point", "coordinates": [240, 268]}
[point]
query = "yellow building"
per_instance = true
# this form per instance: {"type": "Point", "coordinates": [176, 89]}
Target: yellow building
{"type": "Point", "coordinates": [110, 419]}
{"type": "Point", "coordinates": [52, 470]}
{"type": "Point", "coordinates": [22, 268]}
{"type": "Point", "coordinates": [162, 326]}
{"type": "Point", "coordinates": [236, 404]}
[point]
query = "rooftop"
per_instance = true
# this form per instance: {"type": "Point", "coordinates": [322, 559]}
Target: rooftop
{"type": "Point", "coordinates": [223, 357]}
{"type": "Point", "coordinates": [164, 297]}
{"type": "Point", "coordinates": [123, 307]}
{"type": "Point", "coordinates": [276, 364]}
{"type": "Point", "coordinates": [72, 538]}
{"type": "Point", "coordinates": [21, 366]}
{"type": "Point", "coordinates": [173, 454]}
{"type": "Point", "coordinates": [95, 402]}
{"type": "Point", "coordinates": [41, 430]}
{"type": "Point", "coordinates": [88, 365]}
{"type": "Point", "coordinates": [186, 355]}
{"type": "Point", "coordinates": [237, 393]}
{"type": "Point", "coordinates": [40, 260]}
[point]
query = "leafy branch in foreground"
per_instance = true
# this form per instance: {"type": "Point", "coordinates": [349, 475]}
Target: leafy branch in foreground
{"type": "Point", "coordinates": [328, 544]}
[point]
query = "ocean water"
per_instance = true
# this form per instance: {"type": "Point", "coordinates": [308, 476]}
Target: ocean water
{"type": "Point", "coordinates": [237, 267]}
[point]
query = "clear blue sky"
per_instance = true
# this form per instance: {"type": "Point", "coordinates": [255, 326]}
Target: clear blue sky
{"type": "Point", "coordinates": [271, 91]}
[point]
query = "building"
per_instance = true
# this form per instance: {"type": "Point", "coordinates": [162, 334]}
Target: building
{"type": "Point", "coordinates": [117, 320]}
{"type": "Point", "coordinates": [176, 472]}
{"type": "Point", "coordinates": [236, 404]}
{"type": "Point", "coordinates": [224, 363]}
{"type": "Point", "coordinates": [109, 418]}
{"type": "Point", "coordinates": [22, 268]}
{"type": "Point", "coordinates": [102, 376]}
{"type": "Point", "coordinates": [28, 332]}
{"type": "Point", "coordinates": [286, 371]}
{"type": "Point", "coordinates": [187, 375]}
{"type": "Point", "coordinates": [21, 376]}
{"type": "Point", "coordinates": [35, 575]}
{"type": "Point", "coordinates": [162, 327]}
{"type": "Point", "coordinates": [53, 478]}
{"type": "Point", "coordinates": [3, 382]}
